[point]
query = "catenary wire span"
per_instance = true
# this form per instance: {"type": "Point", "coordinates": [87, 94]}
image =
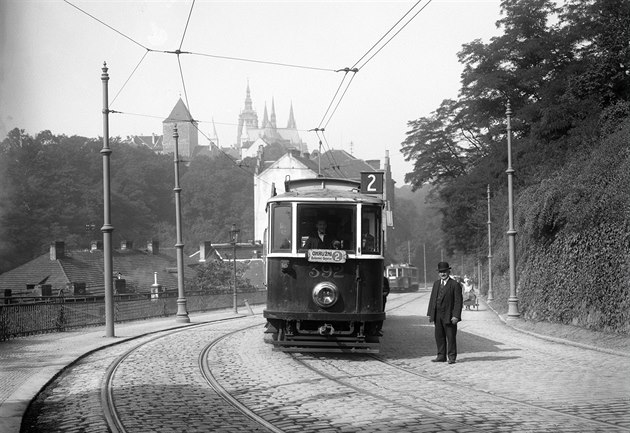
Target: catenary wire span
{"type": "Point", "coordinates": [337, 97]}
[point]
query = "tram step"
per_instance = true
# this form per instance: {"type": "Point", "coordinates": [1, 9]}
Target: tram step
{"type": "Point", "coordinates": [326, 345]}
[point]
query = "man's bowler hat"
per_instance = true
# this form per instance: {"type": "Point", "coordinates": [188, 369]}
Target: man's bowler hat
{"type": "Point", "coordinates": [443, 266]}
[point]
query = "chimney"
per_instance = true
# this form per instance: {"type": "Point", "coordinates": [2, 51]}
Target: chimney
{"type": "Point", "coordinates": [374, 163]}
{"type": "Point", "coordinates": [204, 250]}
{"type": "Point", "coordinates": [126, 245]}
{"type": "Point", "coordinates": [153, 246]}
{"type": "Point", "coordinates": [96, 245]}
{"type": "Point", "coordinates": [57, 250]}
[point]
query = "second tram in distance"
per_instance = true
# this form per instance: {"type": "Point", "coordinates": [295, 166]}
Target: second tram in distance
{"type": "Point", "coordinates": [324, 295]}
{"type": "Point", "coordinates": [402, 278]}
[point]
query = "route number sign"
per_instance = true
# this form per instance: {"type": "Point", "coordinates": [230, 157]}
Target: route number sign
{"type": "Point", "coordinates": [372, 182]}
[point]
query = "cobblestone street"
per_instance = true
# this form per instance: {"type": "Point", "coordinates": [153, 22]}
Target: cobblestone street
{"type": "Point", "coordinates": [504, 380]}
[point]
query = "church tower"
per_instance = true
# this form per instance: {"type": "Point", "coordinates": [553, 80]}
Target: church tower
{"type": "Point", "coordinates": [248, 119]}
{"type": "Point", "coordinates": [187, 129]}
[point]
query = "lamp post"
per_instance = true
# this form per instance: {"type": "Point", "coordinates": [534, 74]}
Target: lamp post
{"type": "Point", "coordinates": [512, 300]}
{"type": "Point", "coordinates": [233, 239]}
{"type": "Point", "coordinates": [424, 255]}
{"type": "Point", "coordinates": [182, 313]}
{"type": "Point", "coordinates": [107, 228]}
{"type": "Point", "coordinates": [490, 294]}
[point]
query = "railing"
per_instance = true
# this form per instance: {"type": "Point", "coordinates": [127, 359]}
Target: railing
{"type": "Point", "coordinates": [20, 316]}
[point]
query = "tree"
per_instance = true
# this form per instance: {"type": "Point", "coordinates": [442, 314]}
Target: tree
{"type": "Point", "coordinates": [565, 82]}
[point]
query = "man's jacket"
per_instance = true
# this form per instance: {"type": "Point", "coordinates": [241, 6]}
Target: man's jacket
{"type": "Point", "coordinates": [445, 302]}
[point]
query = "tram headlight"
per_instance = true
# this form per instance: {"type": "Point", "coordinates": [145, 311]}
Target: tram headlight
{"type": "Point", "coordinates": [325, 294]}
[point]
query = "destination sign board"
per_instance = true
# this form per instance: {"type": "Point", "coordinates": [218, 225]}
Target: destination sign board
{"type": "Point", "coordinates": [327, 256]}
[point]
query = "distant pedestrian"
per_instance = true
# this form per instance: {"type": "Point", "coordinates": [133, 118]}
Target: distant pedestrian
{"type": "Point", "coordinates": [445, 310]}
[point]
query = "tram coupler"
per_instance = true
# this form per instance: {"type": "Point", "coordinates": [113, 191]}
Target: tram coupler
{"type": "Point", "coordinates": [326, 329]}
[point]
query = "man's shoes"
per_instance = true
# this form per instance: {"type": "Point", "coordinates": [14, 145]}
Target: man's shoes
{"type": "Point", "coordinates": [438, 360]}
{"type": "Point", "coordinates": [451, 361]}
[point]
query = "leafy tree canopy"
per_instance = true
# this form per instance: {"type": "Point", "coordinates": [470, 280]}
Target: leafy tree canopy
{"type": "Point", "coordinates": [566, 73]}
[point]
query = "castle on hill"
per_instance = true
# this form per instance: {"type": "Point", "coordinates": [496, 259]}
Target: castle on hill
{"type": "Point", "coordinates": [250, 134]}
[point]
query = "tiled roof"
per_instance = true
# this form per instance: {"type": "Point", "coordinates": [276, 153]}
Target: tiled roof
{"type": "Point", "coordinates": [135, 266]}
{"type": "Point", "coordinates": [339, 163]}
{"type": "Point", "coordinates": [180, 113]}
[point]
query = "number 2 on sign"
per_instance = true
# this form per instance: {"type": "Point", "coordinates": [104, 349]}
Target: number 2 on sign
{"type": "Point", "coordinates": [370, 186]}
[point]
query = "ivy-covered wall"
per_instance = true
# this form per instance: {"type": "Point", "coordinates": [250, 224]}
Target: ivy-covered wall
{"type": "Point", "coordinates": [573, 242]}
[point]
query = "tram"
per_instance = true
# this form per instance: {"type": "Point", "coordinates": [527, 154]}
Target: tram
{"type": "Point", "coordinates": [402, 277]}
{"type": "Point", "coordinates": [325, 291]}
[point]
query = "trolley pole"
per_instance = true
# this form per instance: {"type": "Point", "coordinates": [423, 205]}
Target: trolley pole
{"type": "Point", "coordinates": [107, 228]}
{"type": "Point", "coordinates": [490, 294]}
{"type": "Point", "coordinates": [512, 300]}
{"type": "Point", "coordinates": [182, 313]}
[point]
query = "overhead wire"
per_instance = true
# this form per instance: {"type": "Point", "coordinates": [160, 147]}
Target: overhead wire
{"type": "Point", "coordinates": [399, 30]}
{"type": "Point", "coordinates": [181, 74]}
{"type": "Point", "coordinates": [338, 95]}
{"type": "Point", "coordinates": [107, 25]}
{"type": "Point", "coordinates": [187, 22]}
{"type": "Point", "coordinates": [389, 31]}
{"type": "Point", "coordinates": [358, 65]}
{"type": "Point", "coordinates": [264, 62]}
{"type": "Point", "coordinates": [129, 78]}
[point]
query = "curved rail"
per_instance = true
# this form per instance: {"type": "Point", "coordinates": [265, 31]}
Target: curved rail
{"type": "Point", "coordinates": [214, 383]}
{"type": "Point", "coordinates": [108, 405]}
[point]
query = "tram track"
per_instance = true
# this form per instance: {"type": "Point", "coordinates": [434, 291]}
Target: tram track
{"type": "Point", "coordinates": [215, 384]}
{"type": "Point", "coordinates": [111, 415]}
{"type": "Point", "coordinates": [226, 378]}
{"type": "Point", "coordinates": [456, 419]}
{"type": "Point", "coordinates": [469, 390]}
{"type": "Point", "coordinates": [472, 390]}
{"type": "Point", "coordinates": [340, 371]}
{"type": "Point", "coordinates": [116, 422]}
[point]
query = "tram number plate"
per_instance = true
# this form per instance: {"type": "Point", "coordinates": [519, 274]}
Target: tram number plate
{"type": "Point", "coordinates": [327, 256]}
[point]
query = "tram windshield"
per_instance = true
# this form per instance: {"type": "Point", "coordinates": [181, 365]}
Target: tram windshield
{"type": "Point", "coordinates": [326, 228]}
{"type": "Point", "coordinates": [335, 227]}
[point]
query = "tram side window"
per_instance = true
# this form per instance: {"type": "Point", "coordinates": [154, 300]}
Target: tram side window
{"type": "Point", "coordinates": [370, 230]}
{"type": "Point", "coordinates": [281, 236]}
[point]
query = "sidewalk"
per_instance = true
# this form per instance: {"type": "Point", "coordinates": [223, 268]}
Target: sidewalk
{"type": "Point", "coordinates": [27, 364]}
{"type": "Point", "coordinates": [617, 344]}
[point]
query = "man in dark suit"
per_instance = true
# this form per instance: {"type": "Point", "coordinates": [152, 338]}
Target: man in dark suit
{"type": "Point", "coordinates": [321, 240]}
{"type": "Point", "coordinates": [445, 310]}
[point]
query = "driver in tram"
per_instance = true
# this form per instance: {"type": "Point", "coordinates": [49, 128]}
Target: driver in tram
{"type": "Point", "coordinates": [320, 239]}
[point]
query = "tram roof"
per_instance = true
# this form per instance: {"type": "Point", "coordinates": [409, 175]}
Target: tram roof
{"type": "Point", "coordinates": [324, 189]}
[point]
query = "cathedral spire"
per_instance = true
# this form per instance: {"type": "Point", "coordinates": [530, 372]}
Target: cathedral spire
{"type": "Point", "coordinates": [291, 122]}
{"type": "Point", "coordinates": [248, 98]}
{"type": "Point", "coordinates": [265, 121]}
{"type": "Point", "coordinates": [273, 114]}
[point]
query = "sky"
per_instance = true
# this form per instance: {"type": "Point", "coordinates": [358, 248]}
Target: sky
{"type": "Point", "coordinates": [51, 55]}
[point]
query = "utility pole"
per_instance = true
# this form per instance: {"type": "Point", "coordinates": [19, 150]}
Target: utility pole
{"type": "Point", "coordinates": [513, 299]}
{"type": "Point", "coordinates": [107, 228]}
{"type": "Point", "coordinates": [490, 294]}
{"type": "Point", "coordinates": [182, 313]}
